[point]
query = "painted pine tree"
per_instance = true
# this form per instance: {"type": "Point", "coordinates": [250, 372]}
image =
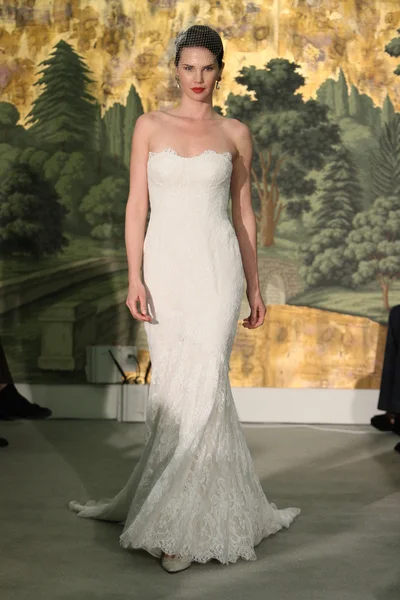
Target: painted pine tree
{"type": "Point", "coordinates": [385, 164]}
{"type": "Point", "coordinates": [64, 113]}
{"type": "Point", "coordinates": [323, 255]}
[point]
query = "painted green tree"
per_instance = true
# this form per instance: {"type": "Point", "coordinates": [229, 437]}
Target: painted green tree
{"type": "Point", "coordinates": [64, 113]}
{"type": "Point", "coordinates": [385, 164]}
{"type": "Point", "coordinates": [388, 111]}
{"type": "Point", "coordinates": [8, 156]}
{"type": "Point", "coordinates": [374, 245]}
{"type": "Point", "coordinates": [343, 104]}
{"type": "Point", "coordinates": [10, 131]}
{"type": "Point", "coordinates": [31, 156]}
{"type": "Point", "coordinates": [74, 181]}
{"type": "Point", "coordinates": [114, 131]}
{"type": "Point", "coordinates": [341, 96]}
{"type": "Point", "coordinates": [326, 94]}
{"type": "Point", "coordinates": [119, 123]}
{"type": "Point", "coordinates": [291, 138]}
{"type": "Point", "coordinates": [100, 142]}
{"type": "Point", "coordinates": [104, 209]}
{"type": "Point", "coordinates": [323, 255]}
{"type": "Point", "coordinates": [31, 216]}
{"type": "Point", "coordinates": [133, 109]}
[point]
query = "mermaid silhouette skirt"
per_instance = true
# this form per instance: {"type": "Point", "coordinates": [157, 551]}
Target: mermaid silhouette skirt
{"type": "Point", "coordinates": [194, 491]}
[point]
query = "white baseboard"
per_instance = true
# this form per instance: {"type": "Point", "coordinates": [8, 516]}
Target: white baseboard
{"type": "Point", "coordinates": [254, 405]}
{"type": "Point", "coordinates": [87, 401]}
{"type": "Point", "coordinates": [273, 405]}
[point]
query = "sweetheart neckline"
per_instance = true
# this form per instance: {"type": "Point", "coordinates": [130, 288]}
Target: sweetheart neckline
{"type": "Point", "coordinates": [172, 151]}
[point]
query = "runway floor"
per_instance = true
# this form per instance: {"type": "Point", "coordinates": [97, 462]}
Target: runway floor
{"type": "Point", "coordinates": [344, 546]}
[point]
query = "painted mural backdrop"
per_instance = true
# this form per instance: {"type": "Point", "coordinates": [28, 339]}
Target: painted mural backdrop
{"type": "Point", "coordinates": [317, 82]}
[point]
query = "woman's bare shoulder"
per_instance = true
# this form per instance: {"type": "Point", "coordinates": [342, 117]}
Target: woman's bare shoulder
{"type": "Point", "coordinates": [235, 126]}
{"type": "Point", "coordinates": [145, 125]}
{"type": "Point", "coordinates": [239, 134]}
{"type": "Point", "coordinates": [150, 116]}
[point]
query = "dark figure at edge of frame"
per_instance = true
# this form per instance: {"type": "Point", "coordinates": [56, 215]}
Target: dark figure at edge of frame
{"type": "Point", "coordinates": [12, 404]}
{"type": "Point", "coordinates": [389, 394]}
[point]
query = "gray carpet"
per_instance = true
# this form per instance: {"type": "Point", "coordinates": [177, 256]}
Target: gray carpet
{"type": "Point", "coordinates": [344, 546]}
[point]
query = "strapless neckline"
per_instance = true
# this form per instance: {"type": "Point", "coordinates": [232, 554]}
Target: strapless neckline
{"type": "Point", "coordinates": [175, 153]}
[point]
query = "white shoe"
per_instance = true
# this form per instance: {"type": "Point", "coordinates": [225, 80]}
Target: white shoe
{"type": "Point", "coordinates": [175, 564]}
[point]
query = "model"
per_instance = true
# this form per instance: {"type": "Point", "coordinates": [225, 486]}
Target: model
{"type": "Point", "coordinates": [194, 494]}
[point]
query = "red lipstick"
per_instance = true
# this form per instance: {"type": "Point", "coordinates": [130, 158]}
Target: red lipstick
{"type": "Point", "coordinates": [198, 90]}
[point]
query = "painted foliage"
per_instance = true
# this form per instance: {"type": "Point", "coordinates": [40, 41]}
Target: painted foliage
{"type": "Point", "coordinates": [317, 83]}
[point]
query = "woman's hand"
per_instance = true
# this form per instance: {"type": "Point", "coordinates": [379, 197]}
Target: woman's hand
{"type": "Point", "coordinates": [258, 311]}
{"type": "Point", "coordinates": [137, 293]}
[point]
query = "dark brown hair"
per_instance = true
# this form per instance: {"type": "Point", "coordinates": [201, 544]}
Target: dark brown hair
{"type": "Point", "coordinates": [203, 36]}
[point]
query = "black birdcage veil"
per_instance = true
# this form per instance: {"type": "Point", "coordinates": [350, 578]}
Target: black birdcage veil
{"type": "Point", "coordinates": [195, 36]}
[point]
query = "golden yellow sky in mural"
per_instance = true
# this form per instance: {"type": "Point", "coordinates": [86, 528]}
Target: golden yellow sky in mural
{"type": "Point", "coordinates": [124, 43]}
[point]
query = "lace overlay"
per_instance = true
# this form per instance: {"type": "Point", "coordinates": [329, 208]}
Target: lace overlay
{"type": "Point", "coordinates": [194, 491]}
{"type": "Point", "coordinates": [172, 151]}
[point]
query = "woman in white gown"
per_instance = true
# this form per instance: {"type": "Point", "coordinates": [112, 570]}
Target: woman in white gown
{"type": "Point", "coordinates": [194, 494]}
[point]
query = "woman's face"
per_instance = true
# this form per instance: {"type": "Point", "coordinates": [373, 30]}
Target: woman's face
{"type": "Point", "coordinates": [198, 68]}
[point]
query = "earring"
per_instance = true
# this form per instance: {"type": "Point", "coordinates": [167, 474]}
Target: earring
{"type": "Point", "coordinates": [217, 84]}
{"type": "Point", "coordinates": [177, 81]}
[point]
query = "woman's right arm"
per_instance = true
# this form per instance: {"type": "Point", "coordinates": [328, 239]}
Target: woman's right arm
{"type": "Point", "coordinates": [136, 215]}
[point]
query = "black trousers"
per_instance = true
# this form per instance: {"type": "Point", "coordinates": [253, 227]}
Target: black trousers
{"type": "Point", "coordinates": [5, 373]}
{"type": "Point", "coordinates": [389, 395]}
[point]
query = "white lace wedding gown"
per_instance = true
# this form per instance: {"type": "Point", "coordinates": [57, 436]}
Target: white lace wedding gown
{"type": "Point", "coordinates": [194, 491]}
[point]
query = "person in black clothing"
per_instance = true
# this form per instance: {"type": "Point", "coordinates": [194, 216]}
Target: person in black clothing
{"type": "Point", "coordinates": [389, 394]}
{"type": "Point", "coordinates": [12, 404]}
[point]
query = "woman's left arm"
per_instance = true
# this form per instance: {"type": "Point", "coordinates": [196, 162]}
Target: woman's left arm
{"type": "Point", "coordinates": [244, 222]}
